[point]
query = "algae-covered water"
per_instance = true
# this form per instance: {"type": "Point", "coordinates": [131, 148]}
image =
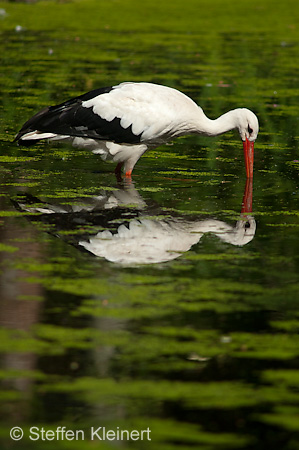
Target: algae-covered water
{"type": "Point", "coordinates": [164, 307]}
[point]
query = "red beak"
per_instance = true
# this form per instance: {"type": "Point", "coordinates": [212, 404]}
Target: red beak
{"type": "Point", "coordinates": [247, 198]}
{"type": "Point", "coordinates": [248, 147]}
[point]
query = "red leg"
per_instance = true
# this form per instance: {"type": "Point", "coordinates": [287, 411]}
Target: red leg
{"type": "Point", "coordinates": [118, 171]}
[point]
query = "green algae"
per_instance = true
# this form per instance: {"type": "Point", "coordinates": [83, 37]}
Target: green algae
{"type": "Point", "coordinates": [7, 248]}
{"type": "Point", "coordinates": [14, 159]}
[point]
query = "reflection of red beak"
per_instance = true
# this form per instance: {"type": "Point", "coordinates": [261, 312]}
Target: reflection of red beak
{"type": "Point", "coordinates": [248, 147]}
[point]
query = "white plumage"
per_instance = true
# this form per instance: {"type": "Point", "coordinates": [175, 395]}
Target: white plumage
{"type": "Point", "coordinates": [123, 121]}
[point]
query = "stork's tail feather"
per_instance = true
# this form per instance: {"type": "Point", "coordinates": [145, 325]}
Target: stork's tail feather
{"type": "Point", "coordinates": [31, 137]}
{"type": "Point", "coordinates": [25, 143]}
{"type": "Point", "coordinates": [28, 134]}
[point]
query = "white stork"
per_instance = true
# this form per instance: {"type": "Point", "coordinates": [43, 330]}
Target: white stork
{"type": "Point", "coordinates": [122, 122]}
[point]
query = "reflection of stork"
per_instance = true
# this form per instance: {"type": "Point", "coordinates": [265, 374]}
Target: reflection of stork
{"type": "Point", "coordinates": [131, 235]}
{"type": "Point", "coordinates": [145, 241]}
{"type": "Point", "coordinates": [122, 122]}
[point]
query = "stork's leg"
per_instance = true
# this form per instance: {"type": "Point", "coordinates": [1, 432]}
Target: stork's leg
{"type": "Point", "coordinates": [118, 171]}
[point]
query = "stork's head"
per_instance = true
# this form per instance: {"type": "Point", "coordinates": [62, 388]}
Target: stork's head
{"type": "Point", "coordinates": [248, 129]}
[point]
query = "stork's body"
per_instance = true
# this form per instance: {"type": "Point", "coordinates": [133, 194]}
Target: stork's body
{"type": "Point", "coordinates": [123, 121]}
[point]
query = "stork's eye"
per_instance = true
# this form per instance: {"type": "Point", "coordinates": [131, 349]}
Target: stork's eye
{"type": "Point", "coordinates": [247, 225]}
{"type": "Point", "coordinates": [250, 130]}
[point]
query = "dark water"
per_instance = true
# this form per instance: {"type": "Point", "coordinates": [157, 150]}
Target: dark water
{"type": "Point", "coordinates": [169, 304]}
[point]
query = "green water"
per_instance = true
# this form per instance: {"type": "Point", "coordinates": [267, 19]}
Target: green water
{"type": "Point", "coordinates": [196, 342]}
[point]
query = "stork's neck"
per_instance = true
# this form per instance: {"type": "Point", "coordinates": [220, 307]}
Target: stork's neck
{"type": "Point", "coordinates": [226, 122]}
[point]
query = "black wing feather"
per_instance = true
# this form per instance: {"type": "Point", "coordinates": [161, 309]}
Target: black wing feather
{"type": "Point", "coordinates": [72, 119]}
